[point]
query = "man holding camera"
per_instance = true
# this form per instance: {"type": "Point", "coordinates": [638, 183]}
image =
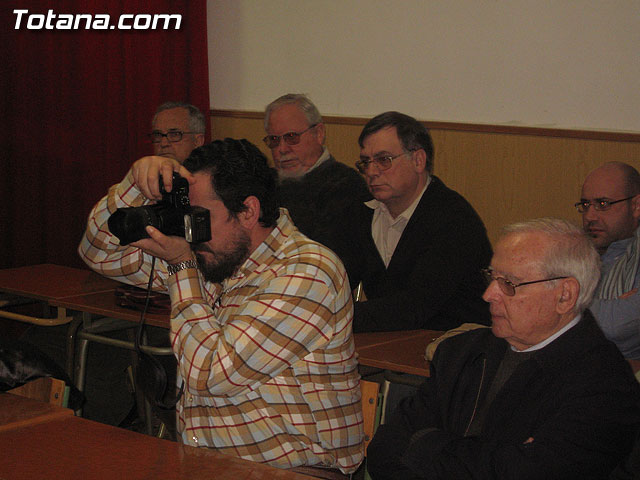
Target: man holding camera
{"type": "Point", "coordinates": [261, 315]}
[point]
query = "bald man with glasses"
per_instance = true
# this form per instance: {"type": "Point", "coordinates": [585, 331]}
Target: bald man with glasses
{"type": "Point", "coordinates": [542, 394]}
{"type": "Point", "coordinates": [610, 208]}
{"type": "Point", "coordinates": [314, 187]}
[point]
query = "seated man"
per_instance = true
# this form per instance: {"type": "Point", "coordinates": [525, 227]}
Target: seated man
{"type": "Point", "coordinates": [418, 247]}
{"type": "Point", "coordinates": [261, 315]}
{"type": "Point", "coordinates": [176, 129]}
{"type": "Point", "coordinates": [610, 208]}
{"type": "Point", "coordinates": [541, 395]}
{"type": "Point", "coordinates": [314, 187]}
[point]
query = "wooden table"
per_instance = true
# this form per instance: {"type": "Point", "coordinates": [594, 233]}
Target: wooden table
{"type": "Point", "coordinates": [48, 282]}
{"type": "Point", "coordinates": [402, 351]}
{"type": "Point", "coordinates": [17, 411]}
{"type": "Point", "coordinates": [105, 304]}
{"type": "Point", "coordinates": [69, 447]}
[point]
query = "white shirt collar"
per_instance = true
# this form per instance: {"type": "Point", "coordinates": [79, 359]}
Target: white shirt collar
{"type": "Point", "coordinates": [387, 231]}
{"type": "Point", "coordinates": [381, 208]}
{"type": "Point", "coordinates": [546, 342]}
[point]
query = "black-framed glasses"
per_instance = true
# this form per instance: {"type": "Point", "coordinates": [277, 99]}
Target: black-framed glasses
{"type": "Point", "coordinates": [599, 204]}
{"type": "Point", "coordinates": [172, 135]}
{"type": "Point", "coordinates": [290, 138]}
{"type": "Point", "coordinates": [382, 161]}
{"type": "Point", "coordinates": [507, 286]}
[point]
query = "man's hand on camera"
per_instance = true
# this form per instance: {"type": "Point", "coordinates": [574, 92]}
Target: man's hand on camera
{"type": "Point", "coordinates": [148, 170]}
{"type": "Point", "coordinates": [171, 249]}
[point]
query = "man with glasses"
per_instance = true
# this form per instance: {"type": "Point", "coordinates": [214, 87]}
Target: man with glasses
{"type": "Point", "coordinates": [418, 247]}
{"type": "Point", "coordinates": [314, 187]}
{"type": "Point", "coordinates": [542, 394]}
{"type": "Point", "coordinates": [610, 208]}
{"type": "Point", "coordinates": [177, 128]}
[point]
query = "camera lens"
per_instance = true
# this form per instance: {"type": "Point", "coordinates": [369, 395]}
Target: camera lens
{"type": "Point", "coordinates": [128, 224]}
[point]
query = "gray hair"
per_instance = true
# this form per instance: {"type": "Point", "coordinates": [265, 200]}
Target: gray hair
{"type": "Point", "coordinates": [197, 122]}
{"type": "Point", "coordinates": [305, 105]}
{"type": "Point", "coordinates": [572, 254]}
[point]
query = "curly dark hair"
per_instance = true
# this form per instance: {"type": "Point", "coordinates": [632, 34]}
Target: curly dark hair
{"type": "Point", "coordinates": [238, 170]}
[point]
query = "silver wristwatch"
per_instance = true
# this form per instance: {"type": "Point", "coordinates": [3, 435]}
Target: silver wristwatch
{"type": "Point", "coordinates": [176, 267]}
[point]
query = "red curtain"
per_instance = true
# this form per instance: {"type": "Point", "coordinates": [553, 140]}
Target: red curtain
{"type": "Point", "coordinates": [76, 108]}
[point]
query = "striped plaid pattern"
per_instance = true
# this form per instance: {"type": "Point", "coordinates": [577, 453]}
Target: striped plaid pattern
{"type": "Point", "coordinates": [268, 357]}
{"type": "Point", "coordinates": [101, 250]}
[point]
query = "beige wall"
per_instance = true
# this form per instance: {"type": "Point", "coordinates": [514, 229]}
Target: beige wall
{"type": "Point", "coordinates": [562, 64]}
{"type": "Point", "coordinates": [507, 177]}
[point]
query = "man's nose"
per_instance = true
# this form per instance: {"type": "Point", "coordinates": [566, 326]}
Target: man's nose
{"type": "Point", "coordinates": [283, 147]}
{"type": "Point", "coordinates": [373, 170]}
{"type": "Point", "coordinates": [492, 292]}
{"type": "Point", "coordinates": [590, 213]}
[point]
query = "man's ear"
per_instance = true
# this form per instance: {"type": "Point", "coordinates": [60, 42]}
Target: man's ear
{"type": "Point", "coordinates": [635, 207]}
{"type": "Point", "coordinates": [320, 132]}
{"type": "Point", "coordinates": [568, 295]}
{"type": "Point", "coordinates": [250, 216]}
{"type": "Point", "coordinates": [199, 140]}
{"type": "Point", "coordinates": [419, 158]}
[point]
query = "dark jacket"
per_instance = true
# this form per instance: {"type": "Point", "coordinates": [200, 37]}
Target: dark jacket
{"type": "Point", "coordinates": [434, 279]}
{"type": "Point", "coordinates": [318, 199]}
{"type": "Point", "coordinates": [576, 399]}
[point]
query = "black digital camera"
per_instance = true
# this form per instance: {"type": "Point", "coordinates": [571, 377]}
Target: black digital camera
{"type": "Point", "coordinates": [173, 215]}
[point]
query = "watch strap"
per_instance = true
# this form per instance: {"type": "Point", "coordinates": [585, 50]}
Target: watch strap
{"type": "Point", "coordinates": [176, 267]}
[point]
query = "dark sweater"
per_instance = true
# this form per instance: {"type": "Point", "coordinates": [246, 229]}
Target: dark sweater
{"type": "Point", "coordinates": [318, 199]}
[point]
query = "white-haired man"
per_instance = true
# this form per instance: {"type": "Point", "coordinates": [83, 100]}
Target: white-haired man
{"type": "Point", "coordinates": [542, 394]}
{"type": "Point", "coordinates": [176, 129]}
{"type": "Point", "coordinates": [314, 187]}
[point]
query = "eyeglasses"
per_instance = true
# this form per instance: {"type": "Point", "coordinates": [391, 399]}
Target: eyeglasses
{"type": "Point", "coordinates": [599, 204]}
{"type": "Point", "coordinates": [383, 161]}
{"type": "Point", "coordinates": [172, 135]}
{"type": "Point", "coordinates": [290, 138]}
{"type": "Point", "coordinates": [507, 286]}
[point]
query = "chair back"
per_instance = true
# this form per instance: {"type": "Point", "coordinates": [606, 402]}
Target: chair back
{"type": "Point", "coordinates": [370, 410]}
{"type": "Point", "coordinates": [45, 389]}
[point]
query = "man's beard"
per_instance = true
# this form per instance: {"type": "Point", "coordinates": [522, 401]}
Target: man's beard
{"type": "Point", "coordinates": [286, 174]}
{"type": "Point", "coordinates": [224, 264]}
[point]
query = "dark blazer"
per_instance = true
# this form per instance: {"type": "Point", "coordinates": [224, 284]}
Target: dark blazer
{"type": "Point", "coordinates": [576, 398]}
{"type": "Point", "coordinates": [434, 279]}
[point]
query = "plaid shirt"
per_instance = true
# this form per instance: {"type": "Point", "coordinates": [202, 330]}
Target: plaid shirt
{"type": "Point", "coordinates": [267, 357]}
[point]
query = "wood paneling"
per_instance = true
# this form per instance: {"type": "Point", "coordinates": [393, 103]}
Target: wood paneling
{"type": "Point", "coordinates": [508, 173]}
